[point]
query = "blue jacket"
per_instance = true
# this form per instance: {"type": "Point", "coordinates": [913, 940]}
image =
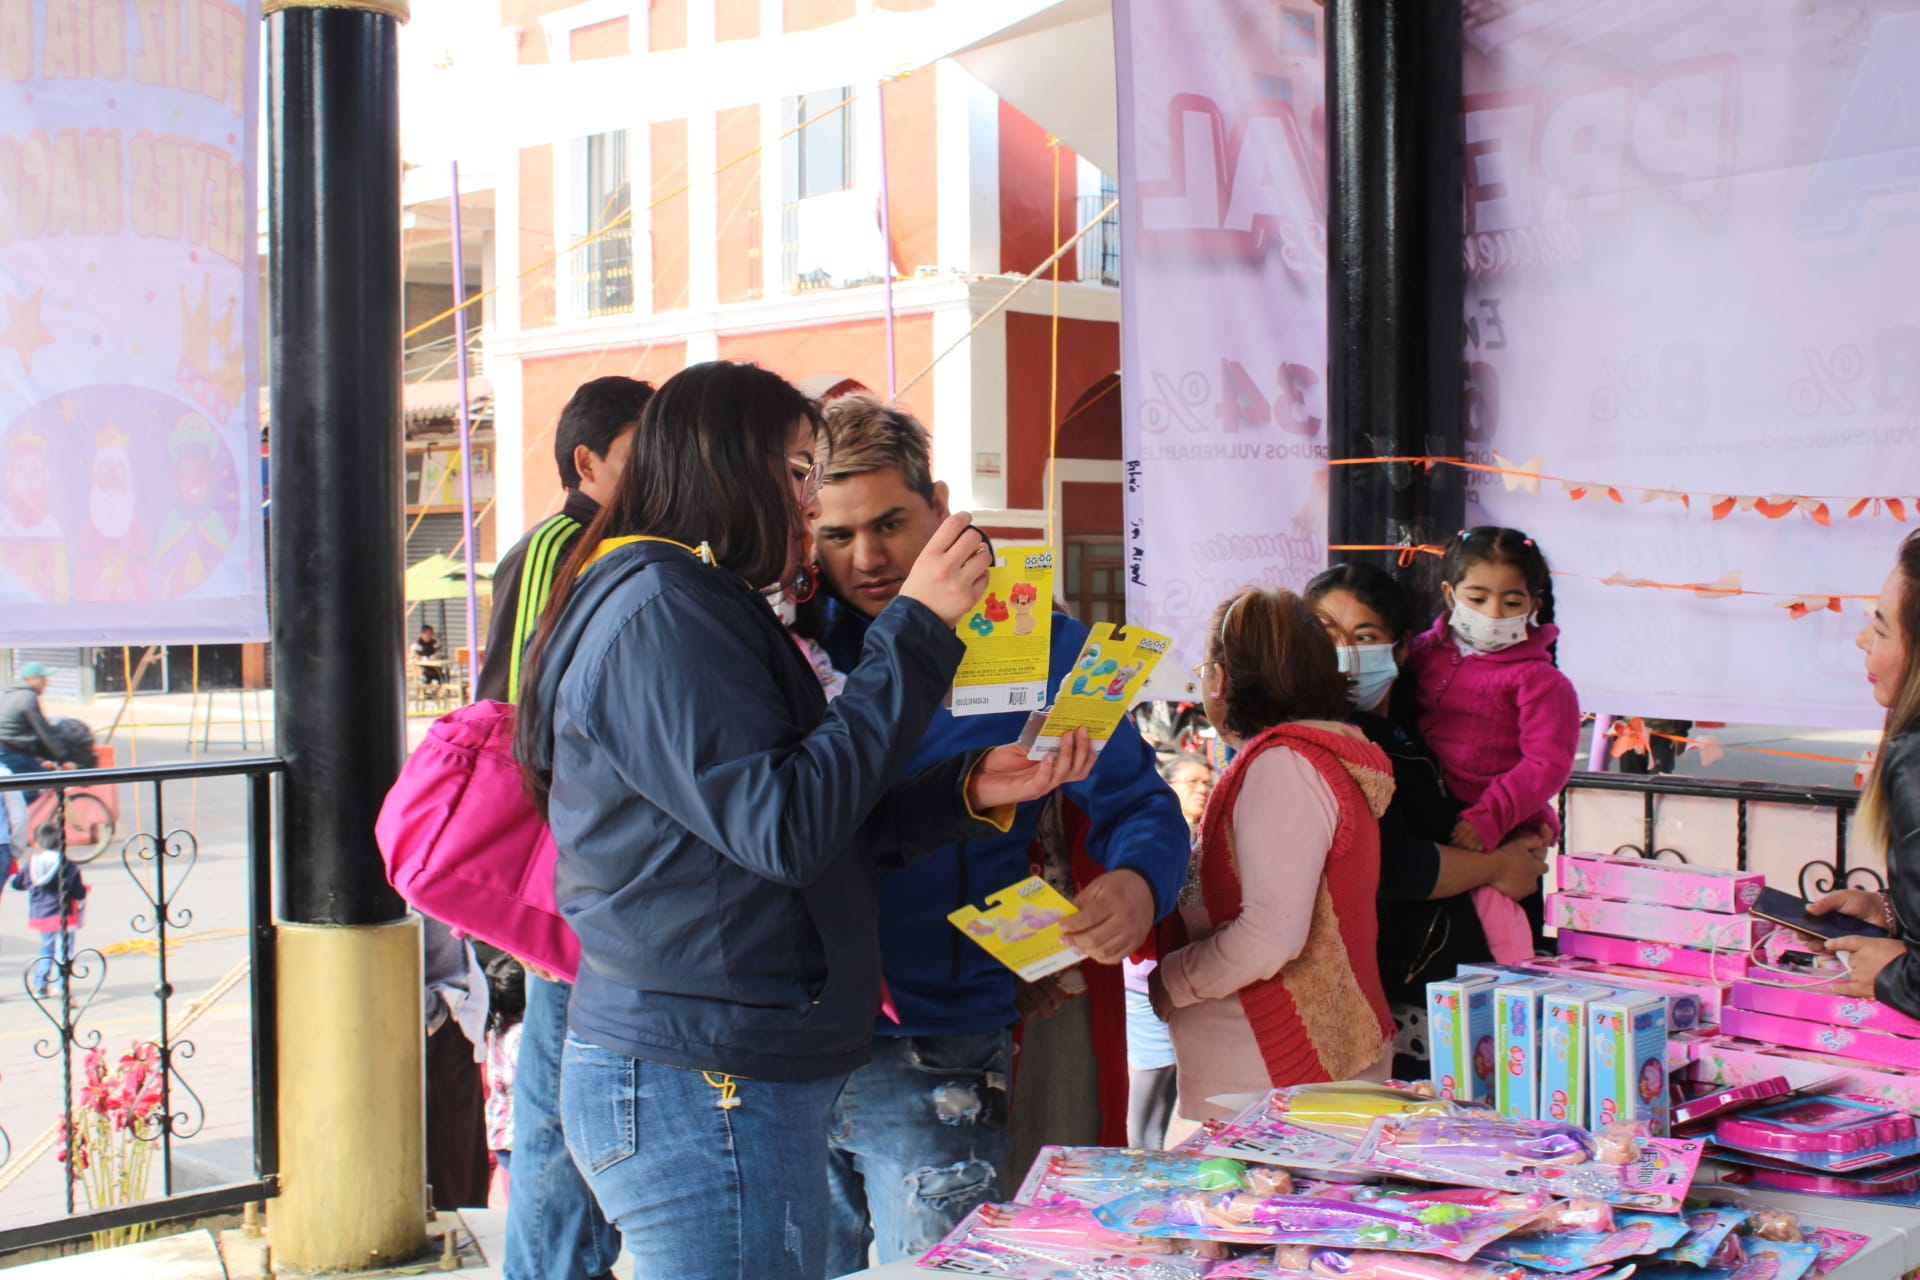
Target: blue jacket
{"type": "Point", "coordinates": [718, 827]}
{"type": "Point", "coordinates": [943, 983]}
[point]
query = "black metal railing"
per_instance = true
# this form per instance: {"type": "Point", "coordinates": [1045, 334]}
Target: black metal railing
{"type": "Point", "coordinates": [1817, 876]}
{"type": "Point", "coordinates": [136, 1090]}
{"type": "Point", "coordinates": [1098, 253]}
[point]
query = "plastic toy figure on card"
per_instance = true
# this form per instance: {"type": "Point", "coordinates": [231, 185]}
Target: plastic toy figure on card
{"type": "Point", "coordinates": [1008, 637]}
{"type": "Point", "coordinates": [1246, 1217]}
{"type": "Point", "coordinates": [1759, 1260]}
{"type": "Point", "coordinates": [1521, 1155]}
{"type": "Point", "coordinates": [1103, 684]}
{"type": "Point", "coordinates": [1087, 1177]}
{"type": "Point", "coordinates": [1627, 1235]}
{"type": "Point", "coordinates": [1020, 928]}
{"type": "Point", "coordinates": [1316, 1127]}
{"type": "Point", "coordinates": [1017, 1242]}
{"type": "Point", "coordinates": [1289, 1262]}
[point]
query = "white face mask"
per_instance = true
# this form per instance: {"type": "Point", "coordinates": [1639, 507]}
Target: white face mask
{"type": "Point", "coordinates": [1372, 669]}
{"type": "Point", "coordinates": [1487, 635]}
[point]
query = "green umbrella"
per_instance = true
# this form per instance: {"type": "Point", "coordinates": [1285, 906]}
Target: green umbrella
{"type": "Point", "coordinates": [441, 577]}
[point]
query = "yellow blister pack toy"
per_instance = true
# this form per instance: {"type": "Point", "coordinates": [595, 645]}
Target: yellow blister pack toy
{"type": "Point", "coordinates": [1008, 635]}
{"type": "Point", "coordinates": [1021, 928]}
{"type": "Point", "coordinates": [1102, 687]}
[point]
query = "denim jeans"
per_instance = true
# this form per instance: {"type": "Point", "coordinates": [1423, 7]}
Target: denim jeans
{"type": "Point", "coordinates": [919, 1136]}
{"type": "Point", "coordinates": [56, 949]}
{"type": "Point", "coordinates": [555, 1230]}
{"type": "Point", "coordinates": [20, 762]}
{"type": "Point", "coordinates": [705, 1175]}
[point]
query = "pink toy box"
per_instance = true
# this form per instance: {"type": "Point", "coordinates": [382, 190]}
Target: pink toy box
{"type": "Point", "coordinates": [1821, 1037]}
{"type": "Point", "coordinates": [1667, 884]}
{"type": "Point", "coordinates": [1680, 926]}
{"type": "Point", "coordinates": [1721, 966]}
{"type": "Point", "coordinates": [1629, 1062]}
{"type": "Point", "coordinates": [1725, 1062]}
{"type": "Point", "coordinates": [1814, 1005]}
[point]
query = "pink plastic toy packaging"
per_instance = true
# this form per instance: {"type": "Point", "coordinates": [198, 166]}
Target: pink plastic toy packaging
{"type": "Point", "coordinates": [1568, 1252]}
{"type": "Point", "coordinates": [1087, 1177]}
{"type": "Point", "coordinates": [1836, 1247]}
{"type": "Point", "coordinates": [1517, 1021]}
{"type": "Point", "coordinates": [1815, 1005]}
{"type": "Point", "coordinates": [1753, 1260]}
{"type": "Point", "coordinates": [1236, 1216]}
{"type": "Point", "coordinates": [1830, 1132]}
{"type": "Point", "coordinates": [1666, 884]}
{"type": "Point", "coordinates": [1628, 1035]}
{"type": "Point", "coordinates": [1460, 1034]}
{"type": "Point", "coordinates": [1685, 962]}
{"type": "Point", "coordinates": [1527, 1156]}
{"type": "Point", "coordinates": [1018, 1242]}
{"type": "Point", "coordinates": [1793, 1033]}
{"type": "Point", "coordinates": [1290, 1262]}
{"type": "Point", "coordinates": [1645, 922]}
{"type": "Point", "coordinates": [1692, 1003]}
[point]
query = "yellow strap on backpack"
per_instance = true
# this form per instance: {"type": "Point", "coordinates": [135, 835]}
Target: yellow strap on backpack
{"type": "Point", "coordinates": [702, 553]}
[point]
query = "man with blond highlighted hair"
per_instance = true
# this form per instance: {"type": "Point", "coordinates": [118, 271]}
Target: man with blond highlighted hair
{"type": "Point", "coordinates": [920, 1133]}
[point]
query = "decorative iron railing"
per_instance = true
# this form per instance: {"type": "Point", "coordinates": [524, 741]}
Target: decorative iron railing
{"type": "Point", "coordinates": [102, 1080]}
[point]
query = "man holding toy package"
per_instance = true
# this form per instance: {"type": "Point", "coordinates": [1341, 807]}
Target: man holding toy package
{"type": "Point", "coordinates": [921, 1132]}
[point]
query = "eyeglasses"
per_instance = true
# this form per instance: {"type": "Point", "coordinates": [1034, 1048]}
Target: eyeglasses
{"type": "Point", "coordinates": [1200, 672]}
{"type": "Point", "coordinates": [809, 475]}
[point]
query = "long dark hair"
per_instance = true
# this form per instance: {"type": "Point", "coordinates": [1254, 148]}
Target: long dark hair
{"type": "Point", "coordinates": [1491, 544]}
{"type": "Point", "coordinates": [1904, 715]}
{"type": "Point", "coordinates": [708, 464]}
{"type": "Point", "coordinates": [1373, 587]}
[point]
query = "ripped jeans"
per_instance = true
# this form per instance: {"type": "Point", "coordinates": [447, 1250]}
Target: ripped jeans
{"type": "Point", "coordinates": [919, 1135]}
{"type": "Point", "coordinates": [698, 1188]}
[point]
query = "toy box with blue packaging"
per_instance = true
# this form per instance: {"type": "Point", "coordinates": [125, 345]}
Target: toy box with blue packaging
{"type": "Point", "coordinates": [1564, 1051]}
{"type": "Point", "coordinates": [1460, 1034]}
{"type": "Point", "coordinates": [1628, 1034]}
{"type": "Point", "coordinates": [1516, 1045]}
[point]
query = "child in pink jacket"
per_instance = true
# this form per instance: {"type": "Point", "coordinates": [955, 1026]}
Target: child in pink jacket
{"type": "Point", "coordinates": [1503, 720]}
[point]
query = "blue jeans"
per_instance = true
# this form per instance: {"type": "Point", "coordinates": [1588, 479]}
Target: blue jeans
{"type": "Point", "coordinates": [56, 949]}
{"type": "Point", "coordinates": [919, 1136]}
{"type": "Point", "coordinates": [20, 762]}
{"type": "Point", "coordinates": [555, 1230]}
{"type": "Point", "coordinates": [705, 1175]}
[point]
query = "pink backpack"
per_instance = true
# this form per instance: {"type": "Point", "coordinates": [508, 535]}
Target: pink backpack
{"type": "Point", "coordinates": [464, 844]}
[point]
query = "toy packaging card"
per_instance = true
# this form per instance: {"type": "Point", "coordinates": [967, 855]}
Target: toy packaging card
{"type": "Point", "coordinates": [1516, 1046]}
{"type": "Point", "coordinates": [1723, 1063]}
{"type": "Point", "coordinates": [1526, 1156]}
{"type": "Point", "coordinates": [1276, 1129]}
{"type": "Point", "coordinates": [1460, 1031]}
{"type": "Point", "coordinates": [1681, 926]}
{"type": "Point", "coordinates": [1836, 1247]}
{"type": "Point", "coordinates": [1686, 962]}
{"type": "Point", "coordinates": [1629, 1040]}
{"type": "Point", "coordinates": [1833, 1133]}
{"type": "Point", "coordinates": [1823, 1007]}
{"type": "Point", "coordinates": [1088, 1177]}
{"type": "Point", "coordinates": [1308, 1262]}
{"type": "Point", "coordinates": [1757, 1260]}
{"type": "Point", "coordinates": [1020, 1242]}
{"type": "Point", "coordinates": [1008, 637]}
{"type": "Point", "coordinates": [1236, 1216]}
{"type": "Point", "coordinates": [1707, 1229]}
{"type": "Point", "coordinates": [1848, 1042]}
{"type": "Point", "coordinates": [1021, 928]}
{"type": "Point", "coordinates": [1632, 1235]}
{"type": "Point", "coordinates": [1564, 1074]}
{"type": "Point", "coordinates": [1102, 687]}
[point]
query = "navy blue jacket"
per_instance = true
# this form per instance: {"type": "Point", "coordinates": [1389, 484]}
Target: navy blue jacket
{"type": "Point", "coordinates": [941, 981]}
{"type": "Point", "coordinates": [719, 827]}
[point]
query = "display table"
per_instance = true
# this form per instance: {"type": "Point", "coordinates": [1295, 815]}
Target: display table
{"type": "Point", "coordinates": [1894, 1232]}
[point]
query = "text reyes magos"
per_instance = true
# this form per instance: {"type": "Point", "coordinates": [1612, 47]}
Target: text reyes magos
{"type": "Point", "coordinates": [70, 182]}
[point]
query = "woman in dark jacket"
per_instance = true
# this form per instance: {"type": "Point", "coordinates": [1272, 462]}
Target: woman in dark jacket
{"type": "Point", "coordinates": [1428, 925]}
{"type": "Point", "coordinates": [1888, 968]}
{"type": "Point", "coordinates": [719, 826]}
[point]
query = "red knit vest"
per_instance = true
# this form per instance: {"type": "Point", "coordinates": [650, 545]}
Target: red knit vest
{"type": "Point", "coordinates": [1308, 1019]}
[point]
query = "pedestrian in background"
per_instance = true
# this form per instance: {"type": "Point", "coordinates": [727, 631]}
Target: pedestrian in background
{"type": "Point", "coordinates": [56, 906]}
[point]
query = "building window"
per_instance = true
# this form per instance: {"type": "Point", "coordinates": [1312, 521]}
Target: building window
{"type": "Point", "coordinates": [1096, 583]}
{"type": "Point", "coordinates": [603, 267]}
{"type": "Point", "coordinates": [817, 151]}
{"type": "Point", "coordinates": [1099, 249]}
{"type": "Point", "coordinates": [829, 227]}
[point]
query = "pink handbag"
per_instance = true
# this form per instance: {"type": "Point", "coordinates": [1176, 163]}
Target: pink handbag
{"type": "Point", "coordinates": [463, 843]}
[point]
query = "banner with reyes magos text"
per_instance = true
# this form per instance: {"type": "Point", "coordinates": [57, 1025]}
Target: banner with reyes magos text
{"type": "Point", "coordinates": [1223, 316]}
{"type": "Point", "coordinates": [130, 508]}
{"type": "Point", "coordinates": [1693, 244]}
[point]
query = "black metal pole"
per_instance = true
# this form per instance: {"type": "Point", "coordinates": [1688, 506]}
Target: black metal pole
{"type": "Point", "coordinates": [1395, 279]}
{"type": "Point", "coordinates": [333, 117]}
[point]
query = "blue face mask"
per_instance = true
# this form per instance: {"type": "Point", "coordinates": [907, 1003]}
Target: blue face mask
{"type": "Point", "coordinates": [1372, 669]}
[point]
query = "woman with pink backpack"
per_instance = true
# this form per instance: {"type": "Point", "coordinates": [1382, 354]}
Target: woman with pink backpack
{"type": "Point", "coordinates": [719, 826]}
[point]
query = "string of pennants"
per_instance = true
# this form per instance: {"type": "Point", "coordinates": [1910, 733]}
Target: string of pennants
{"type": "Point", "coordinates": [1633, 737]}
{"type": "Point", "coordinates": [1528, 476]}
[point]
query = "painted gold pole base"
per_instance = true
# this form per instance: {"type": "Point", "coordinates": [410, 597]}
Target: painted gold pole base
{"type": "Point", "coordinates": [352, 1119]}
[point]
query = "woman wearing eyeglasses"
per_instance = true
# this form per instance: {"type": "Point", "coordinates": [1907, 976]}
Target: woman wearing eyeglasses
{"type": "Point", "coordinates": [1277, 983]}
{"type": "Point", "coordinates": [719, 826]}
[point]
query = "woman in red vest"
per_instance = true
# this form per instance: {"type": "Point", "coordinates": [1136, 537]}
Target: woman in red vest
{"type": "Point", "coordinates": [1277, 983]}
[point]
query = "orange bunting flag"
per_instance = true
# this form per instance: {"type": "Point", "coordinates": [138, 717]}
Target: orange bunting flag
{"type": "Point", "coordinates": [1815, 509]}
{"type": "Point", "coordinates": [1708, 749]}
{"type": "Point", "coordinates": [1801, 606]}
{"type": "Point", "coordinates": [1853, 512]}
{"type": "Point", "coordinates": [1631, 736]}
{"type": "Point", "coordinates": [1899, 508]}
{"type": "Point", "coordinates": [1668, 495]}
{"type": "Point", "coordinates": [1722, 506]}
{"type": "Point", "coordinates": [1864, 766]}
{"type": "Point", "coordinates": [1727, 584]}
{"type": "Point", "coordinates": [1521, 475]}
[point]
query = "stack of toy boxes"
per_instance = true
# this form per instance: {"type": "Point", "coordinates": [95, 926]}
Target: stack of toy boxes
{"type": "Point", "coordinates": [1808, 1035]}
{"type": "Point", "coordinates": [1543, 1048]}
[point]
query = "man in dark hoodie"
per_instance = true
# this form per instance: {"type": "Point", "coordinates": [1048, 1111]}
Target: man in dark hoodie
{"type": "Point", "coordinates": [921, 1131]}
